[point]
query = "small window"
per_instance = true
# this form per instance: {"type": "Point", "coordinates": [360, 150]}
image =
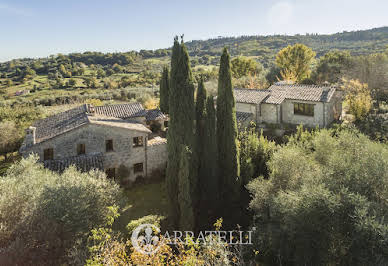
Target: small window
{"type": "Point", "coordinates": [138, 168]}
{"type": "Point", "coordinates": [110, 173]}
{"type": "Point", "coordinates": [165, 123]}
{"type": "Point", "coordinates": [81, 149]}
{"type": "Point", "coordinates": [48, 154]}
{"type": "Point", "coordinates": [109, 145]}
{"type": "Point", "coordinates": [137, 141]}
{"type": "Point", "coordinates": [304, 109]}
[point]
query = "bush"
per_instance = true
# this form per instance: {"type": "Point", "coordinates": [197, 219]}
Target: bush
{"type": "Point", "coordinates": [149, 219]}
{"type": "Point", "coordinates": [324, 202]}
{"type": "Point", "coordinates": [9, 138]}
{"type": "Point", "coordinates": [44, 214]}
{"type": "Point", "coordinates": [255, 152]}
{"type": "Point", "coordinates": [109, 248]}
{"type": "Point", "coordinates": [358, 97]}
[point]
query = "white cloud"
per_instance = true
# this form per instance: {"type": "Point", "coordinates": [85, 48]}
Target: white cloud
{"type": "Point", "coordinates": [280, 14]}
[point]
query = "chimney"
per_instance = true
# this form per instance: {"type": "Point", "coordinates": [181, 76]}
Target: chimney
{"type": "Point", "coordinates": [90, 109]}
{"type": "Point", "coordinates": [30, 136]}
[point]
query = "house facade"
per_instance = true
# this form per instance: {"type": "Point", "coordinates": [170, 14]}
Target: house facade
{"type": "Point", "coordinates": [111, 138]}
{"type": "Point", "coordinates": [293, 104]}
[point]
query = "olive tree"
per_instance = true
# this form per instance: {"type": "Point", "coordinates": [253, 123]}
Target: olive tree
{"type": "Point", "coordinates": [43, 214]}
{"type": "Point", "coordinates": [324, 202]}
{"type": "Point", "coordinates": [9, 138]}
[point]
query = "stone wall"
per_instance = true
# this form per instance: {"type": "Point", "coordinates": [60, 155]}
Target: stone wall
{"type": "Point", "coordinates": [246, 108]}
{"type": "Point", "coordinates": [288, 115]}
{"type": "Point", "coordinates": [268, 113]}
{"type": "Point", "coordinates": [324, 113]}
{"type": "Point", "coordinates": [156, 158]}
{"type": "Point", "coordinates": [122, 158]}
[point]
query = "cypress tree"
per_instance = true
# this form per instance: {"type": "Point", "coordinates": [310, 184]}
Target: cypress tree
{"type": "Point", "coordinates": [181, 124]}
{"type": "Point", "coordinates": [164, 90]}
{"type": "Point", "coordinates": [200, 105]}
{"type": "Point", "coordinates": [200, 115]}
{"type": "Point", "coordinates": [210, 142]}
{"type": "Point", "coordinates": [172, 139]}
{"type": "Point", "coordinates": [208, 179]}
{"type": "Point", "coordinates": [186, 219]}
{"type": "Point", "coordinates": [200, 149]}
{"type": "Point", "coordinates": [228, 154]}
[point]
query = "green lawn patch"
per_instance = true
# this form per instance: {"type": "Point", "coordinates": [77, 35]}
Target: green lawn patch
{"type": "Point", "coordinates": [143, 200]}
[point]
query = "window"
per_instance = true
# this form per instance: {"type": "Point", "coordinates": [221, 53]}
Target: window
{"type": "Point", "coordinates": [166, 123]}
{"type": "Point", "coordinates": [109, 145]}
{"type": "Point", "coordinates": [48, 154]}
{"type": "Point", "coordinates": [110, 173]}
{"type": "Point", "coordinates": [81, 149]}
{"type": "Point", "coordinates": [137, 141]}
{"type": "Point", "coordinates": [138, 168]}
{"type": "Point", "coordinates": [304, 109]}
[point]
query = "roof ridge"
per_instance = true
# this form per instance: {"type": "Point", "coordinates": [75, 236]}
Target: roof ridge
{"type": "Point", "coordinates": [118, 104]}
{"type": "Point", "coordinates": [303, 85]}
{"type": "Point", "coordinates": [50, 117]}
{"type": "Point", "coordinates": [248, 89]}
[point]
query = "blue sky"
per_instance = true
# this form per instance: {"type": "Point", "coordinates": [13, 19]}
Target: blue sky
{"type": "Point", "coordinates": [38, 28]}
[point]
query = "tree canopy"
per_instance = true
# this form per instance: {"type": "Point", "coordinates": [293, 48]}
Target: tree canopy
{"type": "Point", "coordinates": [43, 215]}
{"type": "Point", "coordinates": [332, 66]}
{"type": "Point", "coordinates": [295, 62]}
{"type": "Point", "coordinates": [244, 66]}
{"type": "Point", "coordinates": [324, 202]}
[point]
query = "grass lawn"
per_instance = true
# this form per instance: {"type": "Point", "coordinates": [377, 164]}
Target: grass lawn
{"type": "Point", "coordinates": [142, 200]}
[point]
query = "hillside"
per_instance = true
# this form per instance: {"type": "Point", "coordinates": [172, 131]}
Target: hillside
{"type": "Point", "coordinates": [264, 48]}
{"type": "Point", "coordinates": [107, 76]}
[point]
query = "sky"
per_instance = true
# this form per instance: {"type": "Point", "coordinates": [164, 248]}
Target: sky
{"type": "Point", "coordinates": [39, 28]}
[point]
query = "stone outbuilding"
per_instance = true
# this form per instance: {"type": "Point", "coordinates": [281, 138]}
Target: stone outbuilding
{"type": "Point", "coordinates": [285, 103]}
{"type": "Point", "coordinates": [111, 138]}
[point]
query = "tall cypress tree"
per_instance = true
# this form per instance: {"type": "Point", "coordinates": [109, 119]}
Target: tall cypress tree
{"type": "Point", "coordinates": [208, 178]}
{"type": "Point", "coordinates": [186, 219]}
{"type": "Point", "coordinates": [164, 90]}
{"type": "Point", "coordinates": [181, 124]}
{"type": "Point", "coordinates": [228, 154]}
{"type": "Point", "coordinates": [200, 104]}
{"type": "Point", "coordinates": [173, 138]}
{"type": "Point", "coordinates": [200, 149]}
{"type": "Point", "coordinates": [200, 115]}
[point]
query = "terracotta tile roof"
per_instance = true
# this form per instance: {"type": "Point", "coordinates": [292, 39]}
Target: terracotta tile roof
{"type": "Point", "coordinates": [83, 163]}
{"type": "Point", "coordinates": [155, 114]}
{"type": "Point", "coordinates": [60, 123]}
{"type": "Point", "coordinates": [117, 122]}
{"type": "Point", "coordinates": [302, 92]}
{"type": "Point", "coordinates": [276, 97]}
{"type": "Point", "coordinates": [242, 116]}
{"type": "Point", "coordinates": [123, 111]}
{"type": "Point", "coordinates": [278, 92]}
{"type": "Point", "coordinates": [66, 121]}
{"type": "Point", "coordinates": [250, 95]}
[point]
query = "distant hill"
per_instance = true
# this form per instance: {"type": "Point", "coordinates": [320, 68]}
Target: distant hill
{"type": "Point", "coordinates": [122, 76]}
{"type": "Point", "coordinates": [264, 48]}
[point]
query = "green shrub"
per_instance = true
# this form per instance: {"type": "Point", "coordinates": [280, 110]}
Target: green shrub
{"type": "Point", "coordinates": [44, 214]}
{"type": "Point", "coordinates": [324, 202]}
{"type": "Point", "coordinates": [149, 219]}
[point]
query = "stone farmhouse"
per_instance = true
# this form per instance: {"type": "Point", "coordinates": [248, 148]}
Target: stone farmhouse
{"type": "Point", "coordinates": [114, 138]}
{"type": "Point", "coordinates": [292, 104]}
